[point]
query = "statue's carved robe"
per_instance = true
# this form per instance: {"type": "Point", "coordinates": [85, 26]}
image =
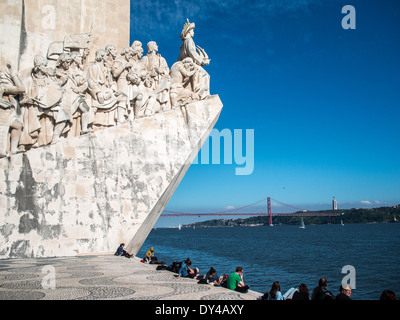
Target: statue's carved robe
{"type": "Point", "coordinates": [202, 81]}
{"type": "Point", "coordinates": [41, 116]}
{"type": "Point", "coordinates": [99, 81]}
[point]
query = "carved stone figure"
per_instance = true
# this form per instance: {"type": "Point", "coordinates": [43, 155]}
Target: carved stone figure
{"type": "Point", "coordinates": [182, 75]}
{"type": "Point", "coordinates": [149, 102]}
{"type": "Point", "coordinates": [76, 61]}
{"type": "Point", "coordinates": [10, 112]}
{"type": "Point", "coordinates": [154, 63]}
{"type": "Point", "coordinates": [158, 69]}
{"type": "Point", "coordinates": [120, 70]}
{"type": "Point", "coordinates": [199, 56]}
{"type": "Point", "coordinates": [109, 62]}
{"type": "Point", "coordinates": [104, 100]}
{"type": "Point", "coordinates": [44, 119]}
{"type": "Point", "coordinates": [110, 56]}
{"type": "Point", "coordinates": [188, 47]}
{"type": "Point", "coordinates": [73, 102]}
{"type": "Point", "coordinates": [137, 45]}
{"type": "Point", "coordinates": [135, 95]}
{"type": "Point", "coordinates": [137, 54]}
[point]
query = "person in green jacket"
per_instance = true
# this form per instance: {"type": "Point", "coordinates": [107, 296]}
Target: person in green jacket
{"type": "Point", "coordinates": [235, 281]}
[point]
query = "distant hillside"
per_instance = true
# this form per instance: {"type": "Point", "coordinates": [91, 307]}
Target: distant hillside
{"type": "Point", "coordinates": [355, 215]}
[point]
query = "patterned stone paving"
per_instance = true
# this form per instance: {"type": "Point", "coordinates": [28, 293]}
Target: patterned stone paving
{"type": "Point", "coordinates": [104, 277]}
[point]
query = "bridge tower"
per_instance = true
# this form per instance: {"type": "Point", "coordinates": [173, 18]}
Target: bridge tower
{"type": "Point", "coordinates": [269, 211]}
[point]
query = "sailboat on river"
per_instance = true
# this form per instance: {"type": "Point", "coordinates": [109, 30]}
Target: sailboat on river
{"type": "Point", "coordinates": [302, 225]}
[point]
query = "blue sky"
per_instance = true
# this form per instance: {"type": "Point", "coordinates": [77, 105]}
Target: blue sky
{"type": "Point", "coordinates": [324, 102]}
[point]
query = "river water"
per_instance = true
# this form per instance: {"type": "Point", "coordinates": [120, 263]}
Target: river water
{"type": "Point", "coordinates": [291, 255]}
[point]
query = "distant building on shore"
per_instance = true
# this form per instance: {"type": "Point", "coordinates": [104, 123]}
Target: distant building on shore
{"type": "Point", "coordinates": [334, 204]}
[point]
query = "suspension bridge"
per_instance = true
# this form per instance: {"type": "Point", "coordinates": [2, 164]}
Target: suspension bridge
{"type": "Point", "coordinates": [247, 211]}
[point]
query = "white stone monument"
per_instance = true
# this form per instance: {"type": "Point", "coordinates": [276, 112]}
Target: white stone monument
{"type": "Point", "coordinates": [91, 149]}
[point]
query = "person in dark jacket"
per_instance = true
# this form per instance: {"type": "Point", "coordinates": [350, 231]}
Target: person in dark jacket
{"type": "Point", "coordinates": [122, 252]}
{"type": "Point", "coordinates": [301, 293]}
{"type": "Point", "coordinates": [345, 292]}
{"type": "Point", "coordinates": [321, 293]}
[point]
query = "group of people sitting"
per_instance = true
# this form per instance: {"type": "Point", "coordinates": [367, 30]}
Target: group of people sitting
{"type": "Point", "coordinates": [234, 281]}
{"type": "Point", "coordinates": [185, 269]}
{"type": "Point", "coordinates": [319, 293]}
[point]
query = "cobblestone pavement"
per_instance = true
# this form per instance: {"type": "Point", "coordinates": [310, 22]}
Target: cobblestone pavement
{"type": "Point", "coordinates": [102, 277]}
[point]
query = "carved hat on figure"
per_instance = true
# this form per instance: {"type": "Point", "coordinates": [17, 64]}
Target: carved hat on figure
{"type": "Point", "coordinates": [39, 61]}
{"type": "Point", "coordinates": [186, 28]}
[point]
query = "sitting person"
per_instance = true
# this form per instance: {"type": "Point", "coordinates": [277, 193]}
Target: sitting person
{"type": "Point", "coordinates": [321, 292]}
{"type": "Point", "coordinates": [186, 270]}
{"type": "Point", "coordinates": [212, 278]}
{"type": "Point", "coordinates": [301, 293]}
{"type": "Point", "coordinates": [122, 252]}
{"type": "Point", "coordinates": [345, 292]}
{"type": "Point", "coordinates": [275, 292]}
{"type": "Point", "coordinates": [150, 258]}
{"type": "Point", "coordinates": [235, 281]}
{"type": "Point", "coordinates": [149, 254]}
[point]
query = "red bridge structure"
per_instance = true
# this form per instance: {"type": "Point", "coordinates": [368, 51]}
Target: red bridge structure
{"type": "Point", "coordinates": [236, 212]}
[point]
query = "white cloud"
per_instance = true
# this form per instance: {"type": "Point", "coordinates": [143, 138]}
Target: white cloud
{"type": "Point", "coordinates": [229, 207]}
{"type": "Point", "coordinates": [366, 202]}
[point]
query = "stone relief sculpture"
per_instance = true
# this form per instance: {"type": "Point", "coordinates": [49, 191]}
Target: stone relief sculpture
{"type": "Point", "coordinates": [149, 97]}
{"type": "Point", "coordinates": [65, 95]}
{"type": "Point", "coordinates": [111, 55]}
{"type": "Point", "coordinates": [104, 98]}
{"type": "Point", "coordinates": [10, 112]}
{"type": "Point", "coordinates": [74, 85]}
{"type": "Point", "coordinates": [135, 95]}
{"type": "Point", "coordinates": [72, 44]}
{"type": "Point", "coordinates": [183, 75]}
{"type": "Point", "coordinates": [138, 65]}
{"type": "Point", "coordinates": [45, 121]}
{"type": "Point", "coordinates": [199, 56]}
{"type": "Point", "coordinates": [120, 69]}
{"type": "Point", "coordinates": [158, 70]}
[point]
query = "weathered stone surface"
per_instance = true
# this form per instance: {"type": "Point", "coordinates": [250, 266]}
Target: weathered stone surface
{"type": "Point", "coordinates": [87, 194]}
